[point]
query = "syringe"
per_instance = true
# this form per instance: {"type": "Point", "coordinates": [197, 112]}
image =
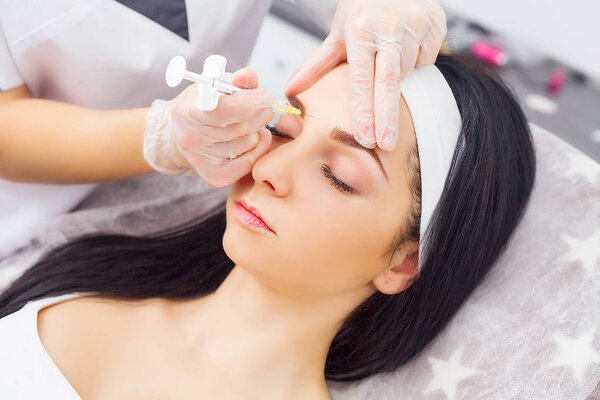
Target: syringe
{"type": "Point", "coordinates": [177, 72]}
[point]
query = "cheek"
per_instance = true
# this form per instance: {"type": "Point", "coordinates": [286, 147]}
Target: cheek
{"type": "Point", "coordinates": [332, 247]}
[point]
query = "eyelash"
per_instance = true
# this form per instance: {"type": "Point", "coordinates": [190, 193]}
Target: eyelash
{"type": "Point", "coordinates": [335, 182]}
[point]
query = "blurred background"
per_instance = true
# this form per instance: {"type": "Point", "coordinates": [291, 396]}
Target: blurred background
{"type": "Point", "coordinates": [548, 52]}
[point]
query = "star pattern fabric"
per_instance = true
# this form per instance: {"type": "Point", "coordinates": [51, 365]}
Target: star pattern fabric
{"type": "Point", "coordinates": [448, 374]}
{"type": "Point", "coordinates": [576, 353]}
{"type": "Point", "coordinates": [583, 251]}
{"type": "Point", "coordinates": [581, 167]}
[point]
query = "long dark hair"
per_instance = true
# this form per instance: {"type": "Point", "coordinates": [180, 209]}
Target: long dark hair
{"type": "Point", "coordinates": [484, 197]}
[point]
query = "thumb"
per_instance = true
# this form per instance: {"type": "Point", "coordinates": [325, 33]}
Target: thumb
{"type": "Point", "coordinates": [245, 78]}
{"type": "Point", "coordinates": [331, 52]}
{"type": "Point", "coordinates": [243, 164]}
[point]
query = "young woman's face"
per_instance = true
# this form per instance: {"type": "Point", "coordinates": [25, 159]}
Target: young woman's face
{"type": "Point", "coordinates": [325, 240]}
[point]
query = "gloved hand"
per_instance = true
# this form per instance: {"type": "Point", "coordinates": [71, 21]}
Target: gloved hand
{"type": "Point", "coordinates": [181, 139]}
{"type": "Point", "coordinates": [382, 41]}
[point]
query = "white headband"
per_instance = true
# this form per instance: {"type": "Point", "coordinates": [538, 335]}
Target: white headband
{"type": "Point", "coordinates": [437, 125]}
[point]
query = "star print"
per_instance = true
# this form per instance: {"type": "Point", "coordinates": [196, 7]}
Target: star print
{"type": "Point", "coordinates": [585, 251]}
{"type": "Point", "coordinates": [575, 353]}
{"type": "Point", "coordinates": [448, 373]}
{"type": "Point", "coordinates": [579, 165]}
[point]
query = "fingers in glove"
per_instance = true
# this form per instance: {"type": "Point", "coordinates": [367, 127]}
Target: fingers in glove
{"type": "Point", "coordinates": [233, 131]}
{"type": "Point", "coordinates": [387, 95]}
{"type": "Point", "coordinates": [432, 38]}
{"type": "Point", "coordinates": [430, 48]}
{"type": "Point", "coordinates": [232, 170]}
{"type": "Point", "coordinates": [326, 57]}
{"type": "Point", "coordinates": [408, 59]}
{"type": "Point", "coordinates": [361, 61]}
{"type": "Point", "coordinates": [233, 108]}
{"type": "Point", "coordinates": [245, 78]}
{"type": "Point", "coordinates": [233, 148]}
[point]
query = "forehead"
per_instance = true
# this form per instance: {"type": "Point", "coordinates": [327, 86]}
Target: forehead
{"type": "Point", "coordinates": [329, 104]}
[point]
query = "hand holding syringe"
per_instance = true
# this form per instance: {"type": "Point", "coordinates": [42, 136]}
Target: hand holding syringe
{"type": "Point", "coordinates": [213, 128]}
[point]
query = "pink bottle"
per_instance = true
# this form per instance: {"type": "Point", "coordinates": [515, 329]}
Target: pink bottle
{"type": "Point", "coordinates": [489, 53]}
{"type": "Point", "coordinates": [556, 81]}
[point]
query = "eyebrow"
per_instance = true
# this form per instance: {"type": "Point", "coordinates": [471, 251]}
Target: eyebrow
{"type": "Point", "coordinates": [344, 137]}
{"type": "Point", "coordinates": [339, 135]}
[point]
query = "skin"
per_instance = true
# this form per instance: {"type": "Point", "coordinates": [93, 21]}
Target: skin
{"type": "Point", "coordinates": [86, 145]}
{"type": "Point", "coordinates": [265, 332]}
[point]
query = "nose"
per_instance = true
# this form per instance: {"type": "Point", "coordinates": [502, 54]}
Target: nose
{"type": "Point", "coordinates": [273, 171]}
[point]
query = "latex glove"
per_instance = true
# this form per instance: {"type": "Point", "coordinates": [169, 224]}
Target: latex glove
{"type": "Point", "coordinates": [382, 41]}
{"type": "Point", "coordinates": [181, 139]}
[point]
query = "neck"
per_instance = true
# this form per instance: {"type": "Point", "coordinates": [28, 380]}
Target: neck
{"type": "Point", "coordinates": [262, 342]}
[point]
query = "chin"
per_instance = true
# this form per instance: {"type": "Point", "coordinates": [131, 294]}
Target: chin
{"type": "Point", "coordinates": [239, 245]}
{"type": "Point", "coordinates": [244, 253]}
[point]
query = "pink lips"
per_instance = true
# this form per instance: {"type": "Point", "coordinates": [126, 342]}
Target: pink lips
{"type": "Point", "coordinates": [250, 217]}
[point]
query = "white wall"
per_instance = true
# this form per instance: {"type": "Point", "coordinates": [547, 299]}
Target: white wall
{"type": "Point", "coordinates": [280, 49]}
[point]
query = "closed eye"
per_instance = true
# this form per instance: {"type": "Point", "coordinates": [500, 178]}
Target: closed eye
{"type": "Point", "coordinates": [335, 182]}
{"type": "Point", "coordinates": [277, 133]}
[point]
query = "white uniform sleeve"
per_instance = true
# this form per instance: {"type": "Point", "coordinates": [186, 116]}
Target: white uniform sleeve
{"type": "Point", "coordinates": [9, 74]}
{"type": "Point", "coordinates": [321, 10]}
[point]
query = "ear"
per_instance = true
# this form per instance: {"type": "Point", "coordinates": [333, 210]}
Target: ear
{"type": "Point", "coordinates": [403, 269]}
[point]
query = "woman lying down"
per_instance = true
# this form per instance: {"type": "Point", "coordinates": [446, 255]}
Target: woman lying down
{"type": "Point", "coordinates": [358, 260]}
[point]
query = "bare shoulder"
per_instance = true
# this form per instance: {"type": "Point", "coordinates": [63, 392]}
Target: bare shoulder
{"type": "Point", "coordinates": [96, 314]}
{"type": "Point", "coordinates": [96, 320]}
{"type": "Point", "coordinates": [87, 311]}
{"type": "Point", "coordinates": [84, 336]}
